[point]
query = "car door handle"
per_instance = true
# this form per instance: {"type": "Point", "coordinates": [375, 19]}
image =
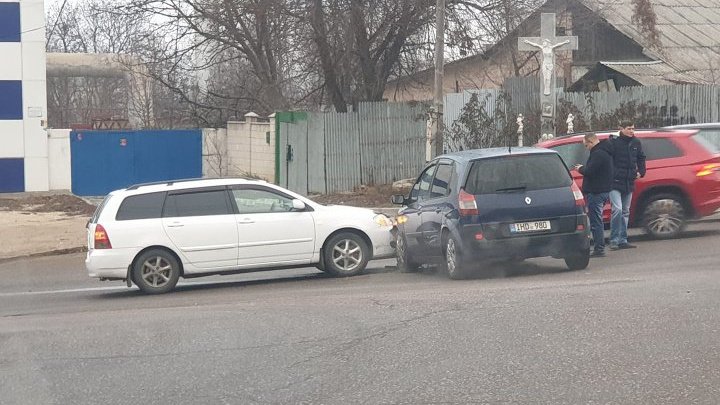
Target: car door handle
{"type": "Point", "coordinates": [246, 221]}
{"type": "Point", "coordinates": [175, 225]}
{"type": "Point", "coordinates": [437, 210]}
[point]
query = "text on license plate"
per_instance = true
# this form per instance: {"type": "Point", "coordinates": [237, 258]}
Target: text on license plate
{"type": "Point", "coordinates": [530, 226]}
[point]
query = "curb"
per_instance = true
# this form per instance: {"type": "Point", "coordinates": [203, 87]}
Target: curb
{"type": "Point", "coordinates": [56, 252]}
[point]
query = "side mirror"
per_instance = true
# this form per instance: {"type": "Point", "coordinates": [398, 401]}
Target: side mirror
{"type": "Point", "coordinates": [398, 199]}
{"type": "Point", "coordinates": [298, 205]}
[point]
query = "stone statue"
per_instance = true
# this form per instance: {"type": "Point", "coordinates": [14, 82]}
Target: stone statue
{"type": "Point", "coordinates": [519, 121]}
{"type": "Point", "coordinates": [570, 123]}
{"type": "Point", "coordinates": [548, 62]}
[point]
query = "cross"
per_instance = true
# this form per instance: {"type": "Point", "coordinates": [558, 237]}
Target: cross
{"type": "Point", "coordinates": [547, 43]}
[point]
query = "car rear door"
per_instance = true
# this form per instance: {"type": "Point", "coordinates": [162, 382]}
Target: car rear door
{"type": "Point", "coordinates": [201, 225]}
{"type": "Point", "coordinates": [522, 194]}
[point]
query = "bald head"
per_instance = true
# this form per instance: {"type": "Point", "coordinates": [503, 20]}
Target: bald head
{"type": "Point", "coordinates": [590, 140]}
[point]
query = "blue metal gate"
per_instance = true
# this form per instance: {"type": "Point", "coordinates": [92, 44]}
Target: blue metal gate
{"type": "Point", "coordinates": [103, 161]}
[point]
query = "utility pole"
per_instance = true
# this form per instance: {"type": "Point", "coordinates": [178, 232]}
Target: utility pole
{"type": "Point", "coordinates": [437, 129]}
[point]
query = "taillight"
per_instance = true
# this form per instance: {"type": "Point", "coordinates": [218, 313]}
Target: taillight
{"type": "Point", "coordinates": [102, 241]}
{"type": "Point", "coordinates": [579, 199]}
{"type": "Point", "coordinates": [468, 205]}
{"type": "Point", "coordinates": [707, 170]}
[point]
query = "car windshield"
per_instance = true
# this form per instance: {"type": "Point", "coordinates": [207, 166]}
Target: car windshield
{"type": "Point", "coordinates": [517, 173]}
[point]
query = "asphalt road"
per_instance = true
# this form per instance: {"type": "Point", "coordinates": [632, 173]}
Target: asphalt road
{"type": "Point", "coordinates": [638, 326]}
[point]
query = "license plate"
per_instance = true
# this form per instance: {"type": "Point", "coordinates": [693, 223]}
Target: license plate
{"type": "Point", "coordinates": [534, 226]}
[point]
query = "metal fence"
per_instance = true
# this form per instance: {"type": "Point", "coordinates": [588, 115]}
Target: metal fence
{"type": "Point", "coordinates": [650, 105]}
{"type": "Point", "coordinates": [334, 152]}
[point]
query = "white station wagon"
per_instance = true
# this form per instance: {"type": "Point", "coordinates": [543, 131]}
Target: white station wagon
{"type": "Point", "coordinates": [153, 234]}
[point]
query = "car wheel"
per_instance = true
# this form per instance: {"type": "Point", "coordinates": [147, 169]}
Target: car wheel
{"type": "Point", "coordinates": [346, 254]}
{"type": "Point", "coordinates": [453, 260]}
{"type": "Point", "coordinates": [156, 271]}
{"type": "Point", "coordinates": [664, 216]}
{"type": "Point", "coordinates": [404, 263]}
{"type": "Point", "coordinates": [578, 261]}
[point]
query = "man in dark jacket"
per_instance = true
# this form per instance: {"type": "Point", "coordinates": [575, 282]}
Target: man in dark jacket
{"type": "Point", "coordinates": [597, 182]}
{"type": "Point", "coordinates": [629, 164]}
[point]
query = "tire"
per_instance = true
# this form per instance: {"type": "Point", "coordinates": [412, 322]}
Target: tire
{"type": "Point", "coordinates": [156, 271]}
{"type": "Point", "coordinates": [404, 263]}
{"type": "Point", "coordinates": [664, 216]}
{"type": "Point", "coordinates": [346, 254]}
{"type": "Point", "coordinates": [578, 261]}
{"type": "Point", "coordinates": [453, 260]}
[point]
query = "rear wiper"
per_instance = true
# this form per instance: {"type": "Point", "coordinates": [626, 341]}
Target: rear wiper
{"type": "Point", "coordinates": [519, 188]}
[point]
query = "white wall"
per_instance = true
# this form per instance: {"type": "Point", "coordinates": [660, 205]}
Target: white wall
{"type": "Point", "coordinates": [248, 149]}
{"type": "Point", "coordinates": [32, 23]}
{"type": "Point", "coordinates": [59, 159]}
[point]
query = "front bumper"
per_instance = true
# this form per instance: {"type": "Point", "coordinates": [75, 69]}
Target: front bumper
{"type": "Point", "coordinates": [383, 243]}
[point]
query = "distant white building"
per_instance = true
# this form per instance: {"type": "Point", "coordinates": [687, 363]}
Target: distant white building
{"type": "Point", "coordinates": [23, 101]}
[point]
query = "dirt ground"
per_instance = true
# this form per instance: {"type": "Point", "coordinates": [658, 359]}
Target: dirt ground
{"type": "Point", "coordinates": [50, 223]}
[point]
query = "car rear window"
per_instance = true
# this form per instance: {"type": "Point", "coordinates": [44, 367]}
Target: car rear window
{"type": "Point", "coordinates": [98, 210]}
{"type": "Point", "coordinates": [517, 172]}
{"type": "Point", "coordinates": [142, 206]}
{"type": "Point", "coordinates": [710, 139]}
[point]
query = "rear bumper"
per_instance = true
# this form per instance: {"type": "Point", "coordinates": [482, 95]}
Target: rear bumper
{"type": "Point", "coordinates": [707, 208]}
{"type": "Point", "coordinates": [555, 245]}
{"type": "Point", "coordinates": [109, 263]}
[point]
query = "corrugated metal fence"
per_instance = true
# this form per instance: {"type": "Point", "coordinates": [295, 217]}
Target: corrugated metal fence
{"type": "Point", "coordinates": [678, 104]}
{"type": "Point", "coordinates": [333, 152]}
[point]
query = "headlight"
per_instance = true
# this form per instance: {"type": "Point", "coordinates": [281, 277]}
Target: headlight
{"type": "Point", "coordinates": [401, 219]}
{"type": "Point", "coordinates": [383, 220]}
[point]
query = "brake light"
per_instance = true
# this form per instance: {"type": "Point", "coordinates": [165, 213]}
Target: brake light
{"type": "Point", "coordinates": [708, 170]}
{"type": "Point", "coordinates": [579, 199]}
{"type": "Point", "coordinates": [102, 241]}
{"type": "Point", "coordinates": [468, 205]}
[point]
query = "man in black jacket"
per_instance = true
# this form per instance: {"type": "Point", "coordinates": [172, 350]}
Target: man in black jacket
{"type": "Point", "coordinates": [629, 164]}
{"type": "Point", "coordinates": [597, 181]}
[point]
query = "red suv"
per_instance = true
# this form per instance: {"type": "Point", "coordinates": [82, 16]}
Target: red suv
{"type": "Point", "coordinates": [682, 180]}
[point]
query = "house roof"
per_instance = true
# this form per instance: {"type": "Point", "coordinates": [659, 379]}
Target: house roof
{"type": "Point", "coordinates": [655, 73]}
{"type": "Point", "coordinates": [689, 39]}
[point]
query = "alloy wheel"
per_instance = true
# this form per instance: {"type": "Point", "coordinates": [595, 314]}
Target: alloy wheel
{"type": "Point", "coordinates": [665, 217]}
{"type": "Point", "coordinates": [347, 255]}
{"type": "Point", "coordinates": [156, 271]}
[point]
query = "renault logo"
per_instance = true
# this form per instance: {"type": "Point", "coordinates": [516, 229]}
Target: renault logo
{"type": "Point", "coordinates": [528, 200]}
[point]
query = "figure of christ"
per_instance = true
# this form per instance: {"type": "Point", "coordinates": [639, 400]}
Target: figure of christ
{"type": "Point", "coordinates": [548, 61]}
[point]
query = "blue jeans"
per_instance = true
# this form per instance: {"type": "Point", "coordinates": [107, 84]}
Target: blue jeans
{"type": "Point", "coordinates": [595, 204]}
{"type": "Point", "coordinates": [620, 203]}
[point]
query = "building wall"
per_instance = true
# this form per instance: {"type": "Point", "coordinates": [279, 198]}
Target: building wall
{"type": "Point", "coordinates": [23, 104]}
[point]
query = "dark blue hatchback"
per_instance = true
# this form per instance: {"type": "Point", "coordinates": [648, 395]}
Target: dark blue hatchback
{"type": "Point", "coordinates": [469, 206]}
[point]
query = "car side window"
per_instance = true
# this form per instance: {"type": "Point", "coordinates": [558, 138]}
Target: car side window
{"type": "Point", "coordinates": [421, 189]}
{"type": "Point", "coordinates": [197, 203]}
{"type": "Point", "coordinates": [659, 148]}
{"type": "Point", "coordinates": [572, 153]}
{"type": "Point", "coordinates": [141, 206]}
{"type": "Point", "coordinates": [255, 201]}
{"type": "Point", "coordinates": [441, 182]}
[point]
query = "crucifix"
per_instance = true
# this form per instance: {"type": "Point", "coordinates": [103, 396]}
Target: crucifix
{"type": "Point", "coordinates": [548, 43]}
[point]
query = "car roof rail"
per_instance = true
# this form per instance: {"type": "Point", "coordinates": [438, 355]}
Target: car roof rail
{"type": "Point", "coordinates": [156, 183]}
